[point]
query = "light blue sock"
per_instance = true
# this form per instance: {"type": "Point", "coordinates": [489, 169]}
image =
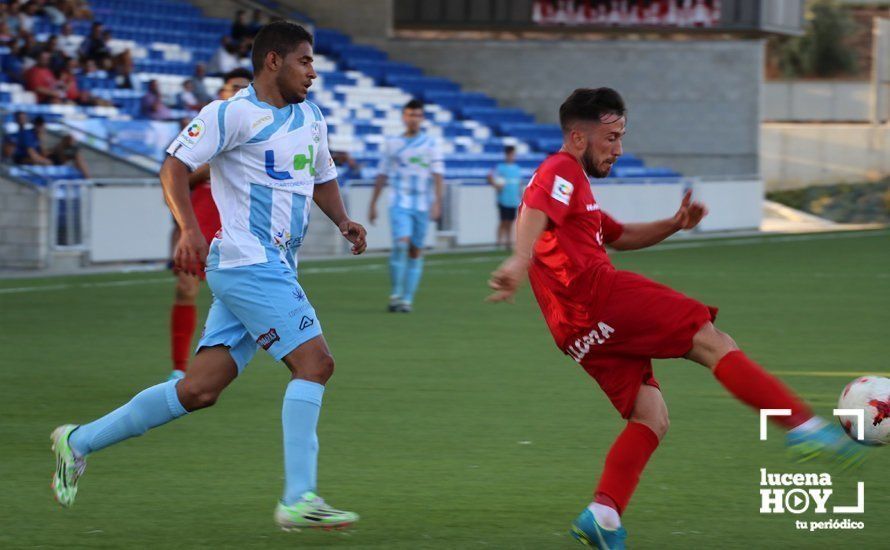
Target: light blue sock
{"type": "Point", "coordinates": [148, 409]}
{"type": "Point", "coordinates": [299, 417]}
{"type": "Point", "coordinates": [412, 278]}
{"type": "Point", "coordinates": [397, 267]}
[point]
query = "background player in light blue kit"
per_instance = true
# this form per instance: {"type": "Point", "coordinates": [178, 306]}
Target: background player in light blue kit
{"type": "Point", "coordinates": [268, 153]}
{"type": "Point", "coordinates": [412, 164]}
{"type": "Point", "coordinates": [506, 179]}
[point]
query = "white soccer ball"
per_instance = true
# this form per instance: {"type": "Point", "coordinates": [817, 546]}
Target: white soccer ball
{"type": "Point", "coordinates": [871, 394]}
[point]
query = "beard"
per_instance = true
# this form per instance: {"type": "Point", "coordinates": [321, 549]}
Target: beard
{"type": "Point", "coordinates": [591, 166]}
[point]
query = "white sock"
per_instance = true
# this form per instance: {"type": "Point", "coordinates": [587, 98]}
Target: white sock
{"type": "Point", "coordinates": [810, 425]}
{"type": "Point", "coordinates": [606, 516]}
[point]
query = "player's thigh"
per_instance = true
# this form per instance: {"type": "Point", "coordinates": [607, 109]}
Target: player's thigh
{"type": "Point", "coordinates": [311, 361]}
{"type": "Point", "coordinates": [269, 303]}
{"type": "Point", "coordinates": [648, 319]}
{"type": "Point", "coordinates": [420, 223]}
{"type": "Point", "coordinates": [399, 223]}
{"type": "Point", "coordinates": [651, 410]}
{"type": "Point", "coordinates": [620, 378]}
{"type": "Point", "coordinates": [223, 329]}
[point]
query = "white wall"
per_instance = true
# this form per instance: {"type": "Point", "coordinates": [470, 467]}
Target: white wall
{"type": "Point", "coordinates": [805, 100]}
{"type": "Point", "coordinates": [128, 223]}
{"type": "Point", "coordinates": [798, 155]}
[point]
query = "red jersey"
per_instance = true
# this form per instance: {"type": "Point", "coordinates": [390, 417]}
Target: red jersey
{"type": "Point", "coordinates": [570, 272]}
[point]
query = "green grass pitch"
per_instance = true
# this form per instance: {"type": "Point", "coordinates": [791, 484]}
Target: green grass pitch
{"type": "Point", "coordinates": [458, 426]}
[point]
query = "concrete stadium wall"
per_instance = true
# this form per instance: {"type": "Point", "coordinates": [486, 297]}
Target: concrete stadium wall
{"type": "Point", "coordinates": [835, 101]}
{"type": "Point", "coordinates": [694, 105]}
{"type": "Point", "coordinates": [798, 155]}
{"type": "Point", "coordinates": [24, 231]}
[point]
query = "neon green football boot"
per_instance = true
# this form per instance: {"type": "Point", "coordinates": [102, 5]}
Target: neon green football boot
{"type": "Point", "coordinates": [311, 511]}
{"type": "Point", "coordinates": [69, 467]}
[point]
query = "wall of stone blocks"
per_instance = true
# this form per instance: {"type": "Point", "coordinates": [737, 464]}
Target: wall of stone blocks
{"type": "Point", "coordinates": [24, 226]}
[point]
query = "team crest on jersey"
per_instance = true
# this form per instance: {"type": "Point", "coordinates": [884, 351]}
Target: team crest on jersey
{"type": "Point", "coordinates": [192, 133]}
{"type": "Point", "coordinates": [316, 132]}
{"type": "Point", "coordinates": [562, 190]}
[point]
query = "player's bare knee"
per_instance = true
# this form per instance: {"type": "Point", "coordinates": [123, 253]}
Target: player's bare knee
{"type": "Point", "coordinates": [186, 290]}
{"type": "Point", "coordinates": [320, 371]}
{"type": "Point", "coordinates": [194, 396]}
{"type": "Point", "coordinates": [658, 422]}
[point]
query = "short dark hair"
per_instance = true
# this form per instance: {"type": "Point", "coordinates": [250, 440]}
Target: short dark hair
{"type": "Point", "coordinates": [590, 104]}
{"type": "Point", "coordinates": [280, 37]}
{"type": "Point", "coordinates": [509, 149]}
{"type": "Point", "coordinates": [413, 104]}
{"type": "Point", "coordinates": [239, 72]}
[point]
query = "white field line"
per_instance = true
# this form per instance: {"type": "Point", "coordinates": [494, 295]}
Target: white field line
{"type": "Point", "coordinates": [456, 261]}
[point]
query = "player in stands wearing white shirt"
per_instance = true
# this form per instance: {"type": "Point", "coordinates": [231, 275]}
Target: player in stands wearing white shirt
{"type": "Point", "coordinates": [268, 153]}
{"type": "Point", "coordinates": [414, 167]}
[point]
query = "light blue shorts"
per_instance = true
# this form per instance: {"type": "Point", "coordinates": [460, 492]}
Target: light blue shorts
{"type": "Point", "coordinates": [258, 306]}
{"type": "Point", "coordinates": [409, 223]}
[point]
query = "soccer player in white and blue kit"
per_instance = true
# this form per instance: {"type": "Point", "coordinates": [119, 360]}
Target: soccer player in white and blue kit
{"type": "Point", "coordinates": [414, 167]}
{"type": "Point", "coordinates": [268, 153]}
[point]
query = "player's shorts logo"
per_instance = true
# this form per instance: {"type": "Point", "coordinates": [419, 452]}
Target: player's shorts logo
{"type": "Point", "coordinates": [298, 294]}
{"type": "Point", "coordinates": [266, 340]}
{"type": "Point", "coordinates": [597, 336]}
{"type": "Point", "coordinates": [306, 322]}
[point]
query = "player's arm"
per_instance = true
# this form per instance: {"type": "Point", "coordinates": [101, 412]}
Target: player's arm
{"type": "Point", "coordinates": [379, 184]}
{"type": "Point", "coordinates": [642, 235]}
{"type": "Point", "coordinates": [439, 189]}
{"type": "Point", "coordinates": [192, 248]}
{"type": "Point", "coordinates": [327, 197]}
{"type": "Point", "coordinates": [506, 280]}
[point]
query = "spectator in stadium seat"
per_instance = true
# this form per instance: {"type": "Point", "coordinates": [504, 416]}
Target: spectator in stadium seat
{"type": "Point", "coordinates": [256, 23]}
{"type": "Point", "coordinates": [198, 86]}
{"type": "Point", "coordinates": [68, 41]}
{"type": "Point", "coordinates": [240, 28]}
{"type": "Point", "coordinates": [28, 149]}
{"type": "Point", "coordinates": [73, 93]}
{"type": "Point", "coordinates": [94, 47]}
{"type": "Point", "coordinates": [66, 152]}
{"type": "Point", "coordinates": [224, 59]}
{"type": "Point", "coordinates": [122, 71]}
{"type": "Point", "coordinates": [14, 65]}
{"type": "Point", "coordinates": [27, 16]}
{"type": "Point", "coordinates": [6, 35]}
{"type": "Point", "coordinates": [57, 59]}
{"type": "Point", "coordinates": [152, 105]}
{"type": "Point", "coordinates": [41, 80]}
{"type": "Point", "coordinates": [186, 99]}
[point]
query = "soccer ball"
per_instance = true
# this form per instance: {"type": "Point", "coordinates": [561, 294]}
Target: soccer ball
{"type": "Point", "coordinates": [872, 395]}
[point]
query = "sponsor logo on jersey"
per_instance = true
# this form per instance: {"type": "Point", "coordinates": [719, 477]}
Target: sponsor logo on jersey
{"type": "Point", "coordinates": [266, 340]}
{"type": "Point", "coordinates": [592, 207]}
{"type": "Point", "coordinates": [261, 120]}
{"type": "Point", "coordinates": [192, 133]}
{"type": "Point", "coordinates": [562, 190]}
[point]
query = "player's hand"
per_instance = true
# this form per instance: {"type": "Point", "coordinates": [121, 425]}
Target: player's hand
{"type": "Point", "coordinates": [506, 279]}
{"type": "Point", "coordinates": [356, 234]}
{"type": "Point", "coordinates": [435, 211]}
{"type": "Point", "coordinates": [372, 214]}
{"type": "Point", "coordinates": [690, 213]}
{"type": "Point", "coordinates": [191, 252]}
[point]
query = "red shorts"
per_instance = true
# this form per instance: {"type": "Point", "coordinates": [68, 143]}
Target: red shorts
{"type": "Point", "coordinates": [639, 320]}
{"type": "Point", "coordinates": [205, 211]}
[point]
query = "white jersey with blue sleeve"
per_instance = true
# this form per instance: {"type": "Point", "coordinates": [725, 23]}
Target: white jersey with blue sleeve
{"type": "Point", "coordinates": [409, 164]}
{"type": "Point", "coordinates": [264, 165]}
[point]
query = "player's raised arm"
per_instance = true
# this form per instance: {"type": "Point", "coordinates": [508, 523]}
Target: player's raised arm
{"type": "Point", "coordinates": [641, 235]}
{"type": "Point", "coordinates": [507, 278]}
{"type": "Point", "coordinates": [191, 251]}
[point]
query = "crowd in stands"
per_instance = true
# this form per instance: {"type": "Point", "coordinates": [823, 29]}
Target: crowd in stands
{"type": "Point", "coordinates": [27, 145]}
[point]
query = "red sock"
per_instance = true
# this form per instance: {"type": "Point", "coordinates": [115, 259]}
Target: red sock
{"type": "Point", "coordinates": [624, 464]}
{"type": "Point", "coordinates": [183, 320]}
{"type": "Point", "coordinates": [752, 385]}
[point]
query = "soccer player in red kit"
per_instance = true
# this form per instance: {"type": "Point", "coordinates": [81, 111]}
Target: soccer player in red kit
{"type": "Point", "coordinates": [613, 323]}
{"type": "Point", "coordinates": [184, 315]}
